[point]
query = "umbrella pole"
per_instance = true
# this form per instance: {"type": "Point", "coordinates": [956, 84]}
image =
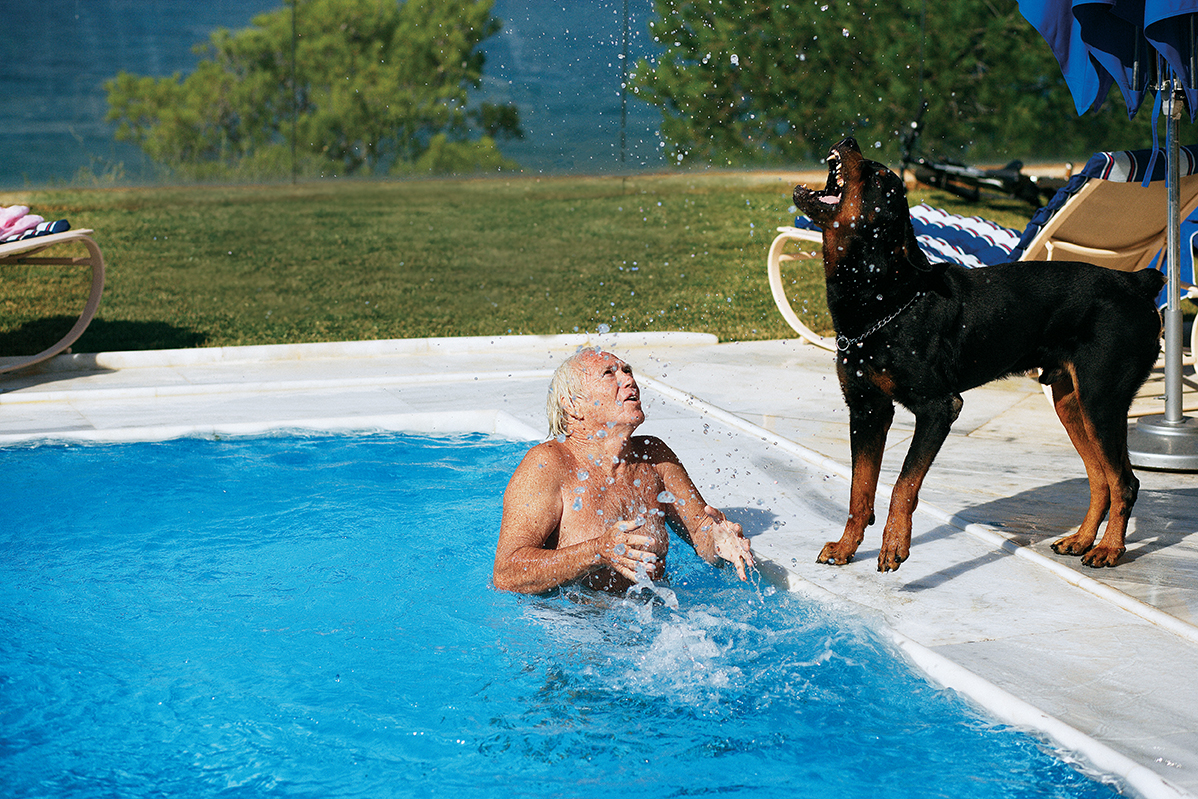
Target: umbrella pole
{"type": "Point", "coordinates": [1169, 441]}
{"type": "Point", "coordinates": [1172, 313]}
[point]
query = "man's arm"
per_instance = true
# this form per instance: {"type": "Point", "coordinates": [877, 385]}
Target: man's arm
{"type": "Point", "coordinates": [708, 530]}
{"type": "Point", "coordinates": [532, 512]}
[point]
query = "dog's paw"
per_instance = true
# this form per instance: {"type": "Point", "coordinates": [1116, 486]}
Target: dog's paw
{"type": "Point", "coordinates": [896, 544]}
{"type": "Point", "coordinates": [1100, 557]}
{"type": "Point", "coordinates": [1073, 545]}
{"type": "Point", "coordinates": [833, 553]}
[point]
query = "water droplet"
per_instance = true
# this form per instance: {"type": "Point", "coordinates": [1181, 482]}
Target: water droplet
{"type": "Point", "coordinates": [583, 474]}
{"type": "Point", "coordinates": [577, 504]}
{"type": "Point", "coordinates": [666, 496]}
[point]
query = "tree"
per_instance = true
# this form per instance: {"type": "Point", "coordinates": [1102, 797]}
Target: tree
{"type": "Point", "coordinates": [744, 81]}
{"type": "Point", "coordinates": [379, 86]}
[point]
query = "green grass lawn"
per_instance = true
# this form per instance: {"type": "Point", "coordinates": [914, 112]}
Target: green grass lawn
{"type": "Point", "coordinates": [219, 266]}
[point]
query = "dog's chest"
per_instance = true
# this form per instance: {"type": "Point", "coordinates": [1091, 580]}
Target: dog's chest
{"type": "Point", "coordinates": [894, 366]}
{"type": "Point", "coordinates": [858, 367]}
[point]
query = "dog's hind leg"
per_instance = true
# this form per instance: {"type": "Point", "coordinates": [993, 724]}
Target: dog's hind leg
{"type": "Point", "coordinates": [1125, 489]}
{"type": "Point", "coordinates": [870, 416]}
{"type": "Point", "coordinates": [1104, 411]}
{"type": "Point", "coordinates": [932, 423]}
{"type": "Point", "coordinates": [1107, 381]}
{"type": "Point", "coordinates": [1069, 410]}
{"type": "Point", "coordinates": [1097, 425]}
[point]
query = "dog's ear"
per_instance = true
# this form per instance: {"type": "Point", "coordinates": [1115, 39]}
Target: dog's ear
{"type": "Point", "coordinates": [913, 253]}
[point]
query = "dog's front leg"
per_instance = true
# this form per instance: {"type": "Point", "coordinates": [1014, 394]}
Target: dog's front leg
{"type": "Point", "coordinates": [869, 422]}
{"type": "Point", "coordinates": [932, 423]}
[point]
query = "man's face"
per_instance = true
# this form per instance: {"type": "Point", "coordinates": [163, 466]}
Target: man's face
{"type": "Point", "coordinates": [611, 396]}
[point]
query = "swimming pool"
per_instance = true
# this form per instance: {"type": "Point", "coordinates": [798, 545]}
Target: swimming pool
{"type": "Point", "coordinates": [309, 615]}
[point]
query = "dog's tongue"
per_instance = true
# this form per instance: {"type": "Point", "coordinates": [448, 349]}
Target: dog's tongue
{"type": "Point", "coordinates": [828, 199]}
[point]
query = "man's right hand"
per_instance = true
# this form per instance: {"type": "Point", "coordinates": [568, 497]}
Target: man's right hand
{"type": "Point", "coordinates": [624, 549]}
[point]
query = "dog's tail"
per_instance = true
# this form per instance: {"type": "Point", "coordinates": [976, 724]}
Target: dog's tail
{"type": "Point", "coordinates": [1148, 282]}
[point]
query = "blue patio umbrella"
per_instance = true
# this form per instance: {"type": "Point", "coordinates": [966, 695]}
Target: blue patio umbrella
{"type": "Point", "coordinates": [1148, 49]}
{"type": "Point", "coordinates": [1103, 42]}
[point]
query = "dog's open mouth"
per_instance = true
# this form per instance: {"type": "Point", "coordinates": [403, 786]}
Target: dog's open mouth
{"type": "Point", "coordinates": [834, 189]}
{"type": "Point", "coordinates": [832, 193]}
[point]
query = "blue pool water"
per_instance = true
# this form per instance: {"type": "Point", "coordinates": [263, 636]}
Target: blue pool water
{"type": "Point", "coordinates": [311, 616]}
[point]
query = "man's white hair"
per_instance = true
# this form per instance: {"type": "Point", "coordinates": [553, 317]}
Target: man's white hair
{"type": "Point", "coordinates": [565, 387]}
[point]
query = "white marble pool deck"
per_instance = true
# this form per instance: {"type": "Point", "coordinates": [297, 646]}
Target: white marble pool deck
{"type": "Point", "coordinates": [1102, 663]}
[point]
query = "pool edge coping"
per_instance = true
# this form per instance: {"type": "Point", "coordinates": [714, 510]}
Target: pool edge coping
{"type": "Point", "coordinates": [127, 359]}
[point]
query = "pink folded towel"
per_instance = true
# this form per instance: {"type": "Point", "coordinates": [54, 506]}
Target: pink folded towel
{"type": "Point", "coordinates": [11, 214]}
{"type": "Point", "coordinates": [15, 220]}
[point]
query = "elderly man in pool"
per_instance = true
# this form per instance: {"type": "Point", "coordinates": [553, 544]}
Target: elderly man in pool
{"type": "Point", "coordinates": [589, 506]}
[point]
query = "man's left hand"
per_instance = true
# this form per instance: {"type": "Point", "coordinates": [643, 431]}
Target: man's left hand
{"type": "Point", "coordinates": [730, 543]}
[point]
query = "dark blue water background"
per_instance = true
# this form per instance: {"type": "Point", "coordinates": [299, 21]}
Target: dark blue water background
{"type": "Point", "coordinates": [557, 61]}
{"type": "Point", "coordinates": [311, 616]}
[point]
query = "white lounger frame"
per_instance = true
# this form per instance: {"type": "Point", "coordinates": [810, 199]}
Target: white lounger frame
{"type": "Point", "coordinates": [26, 252]}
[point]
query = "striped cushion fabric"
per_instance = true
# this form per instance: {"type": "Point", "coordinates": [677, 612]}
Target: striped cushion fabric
{"type": "Point", "coordinates": [966, 240]}
{"type": "Point", "coordinates": [948, 238]}
{"type": "Point", "coordinates": [43, 229]}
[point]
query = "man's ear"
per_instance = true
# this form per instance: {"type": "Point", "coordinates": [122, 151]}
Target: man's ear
{"type": "Point", "coordinates": [569, 406]}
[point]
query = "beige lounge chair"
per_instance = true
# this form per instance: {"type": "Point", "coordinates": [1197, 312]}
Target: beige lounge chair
{"type": "Point", "coordinates": [28, 251]}
{"type": "Point", "coordinates": [1103, 216]}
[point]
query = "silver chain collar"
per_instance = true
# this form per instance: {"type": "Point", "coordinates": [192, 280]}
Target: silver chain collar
{"type": "Point", "coordinates": [843, 342]}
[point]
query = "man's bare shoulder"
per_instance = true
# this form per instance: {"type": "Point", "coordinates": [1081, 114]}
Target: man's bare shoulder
{"type": "Point", "coordinates": [551, 452]}
{"type": "Point", "coordinates": [546, 462]}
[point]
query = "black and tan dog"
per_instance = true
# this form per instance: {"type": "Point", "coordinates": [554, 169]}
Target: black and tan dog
{"type": "Point", "coordinates": [920, 334]}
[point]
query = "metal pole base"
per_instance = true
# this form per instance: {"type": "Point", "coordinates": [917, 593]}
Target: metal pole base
{"type": "Point", "coordinates": [1155, 443]}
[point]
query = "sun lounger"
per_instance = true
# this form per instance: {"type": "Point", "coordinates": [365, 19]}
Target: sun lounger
{"type": "Point", "coordinates": [1104, 215]}
{"type": "Point", "coordinates": [29, 251]}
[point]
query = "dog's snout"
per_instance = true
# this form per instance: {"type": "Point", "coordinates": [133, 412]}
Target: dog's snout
{"type": "Point", "coordinates": [848, 143]}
